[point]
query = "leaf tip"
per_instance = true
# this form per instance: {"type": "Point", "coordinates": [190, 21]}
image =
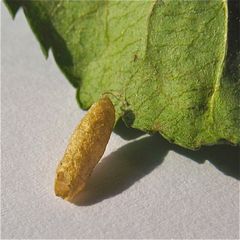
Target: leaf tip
{"type": "Point", "coordinates": [12, 7]}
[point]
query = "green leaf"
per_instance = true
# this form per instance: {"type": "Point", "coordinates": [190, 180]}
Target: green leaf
{"type": "Point", "coordinates": [165, 64]}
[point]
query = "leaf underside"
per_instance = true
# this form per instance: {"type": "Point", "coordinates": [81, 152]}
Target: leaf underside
{"type": "Point", "coordinates": [166, 65]}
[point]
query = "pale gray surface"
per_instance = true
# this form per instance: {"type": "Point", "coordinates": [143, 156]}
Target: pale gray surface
{"type": "Point", "coordinates": [142, 190]}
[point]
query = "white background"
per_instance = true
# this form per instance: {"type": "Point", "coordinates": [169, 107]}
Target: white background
{"type": "Point", "coordinates": [143, 188]}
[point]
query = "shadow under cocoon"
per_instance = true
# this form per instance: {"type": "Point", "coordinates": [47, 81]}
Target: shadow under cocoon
{"type": "Point", "coordinates": [122, 168]}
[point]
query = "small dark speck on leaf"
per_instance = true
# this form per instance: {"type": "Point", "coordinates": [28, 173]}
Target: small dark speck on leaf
{"type": "Point", "coordinates": [135, 57]}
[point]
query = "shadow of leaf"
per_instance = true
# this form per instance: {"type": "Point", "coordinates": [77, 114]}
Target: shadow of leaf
{"type": "Point", "coordinates": [122, 168]}
{"type": "Point", "coordinates": [225, 158]}
{"type": "Point", "coordinates": [125, 132]}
